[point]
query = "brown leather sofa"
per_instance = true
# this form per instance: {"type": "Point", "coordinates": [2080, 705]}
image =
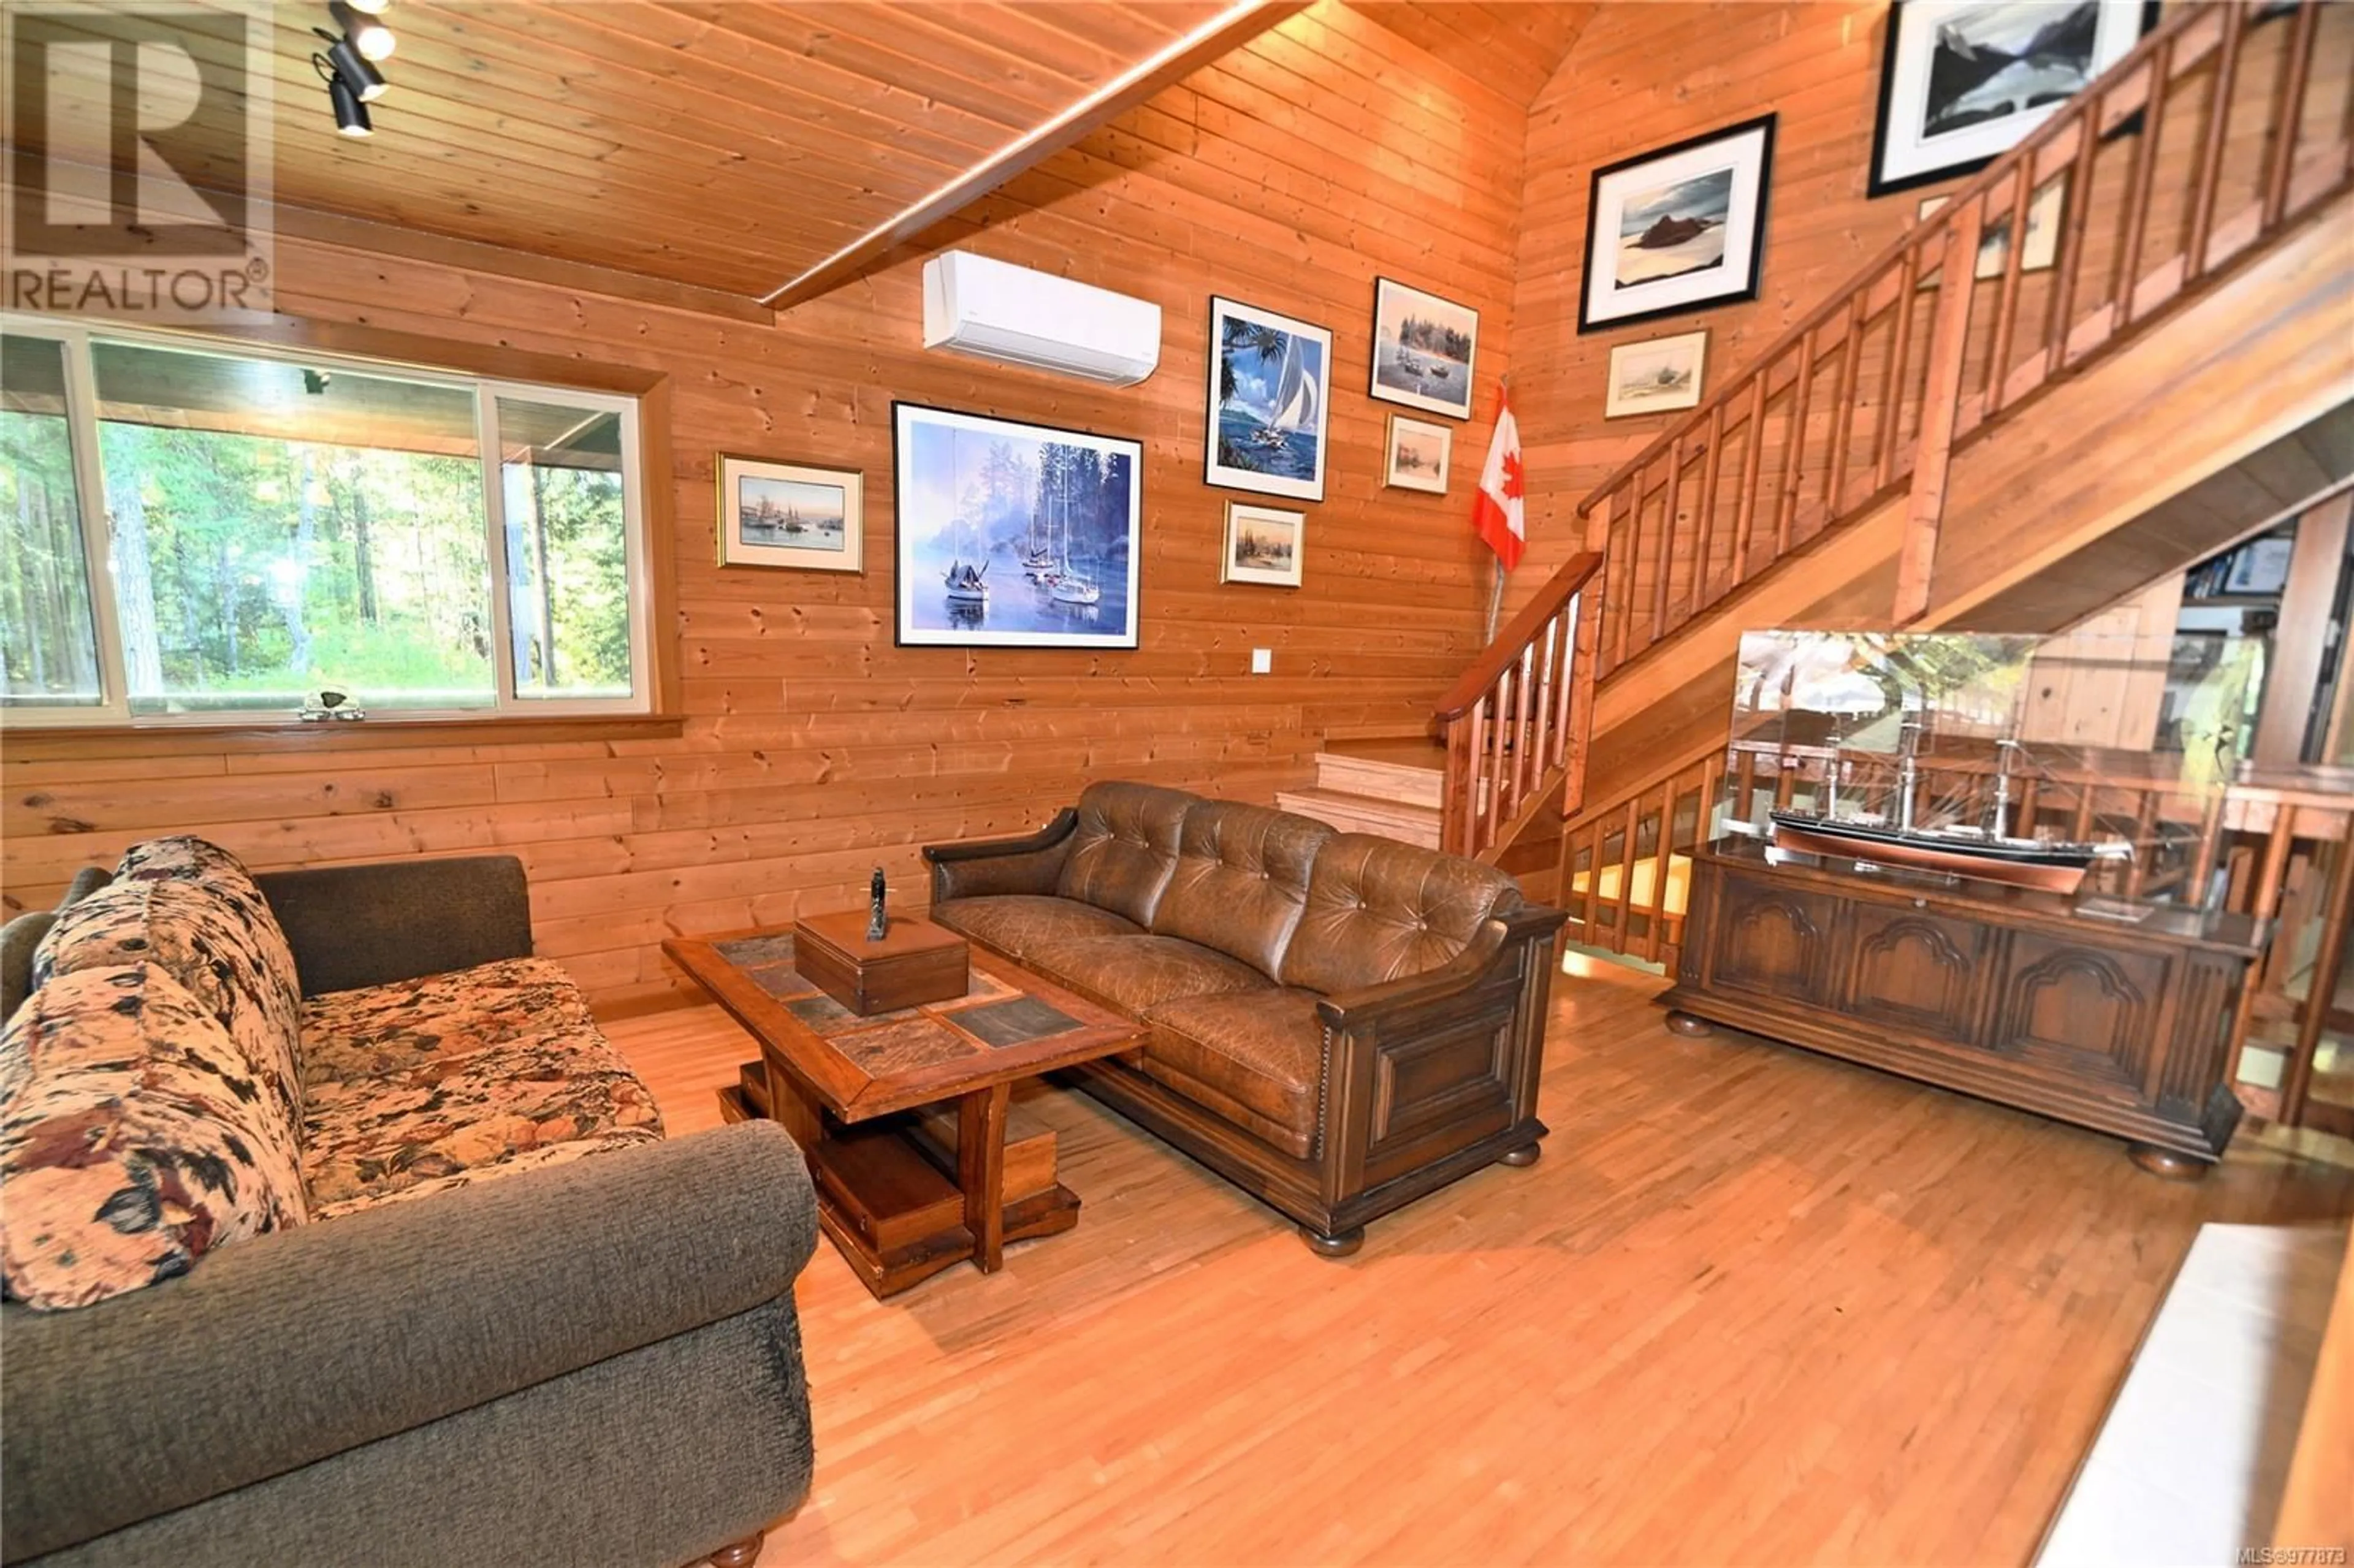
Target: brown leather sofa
{"type": "Point", "coordinates": [1339, 1023]}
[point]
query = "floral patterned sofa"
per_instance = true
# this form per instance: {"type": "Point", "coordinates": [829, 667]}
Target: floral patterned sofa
{"type": "Point", "coordinates": [320, 1195]}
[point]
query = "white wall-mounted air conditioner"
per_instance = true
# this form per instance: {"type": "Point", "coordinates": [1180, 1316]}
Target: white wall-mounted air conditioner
{"type": "Point", "coordinates": [995, 309]}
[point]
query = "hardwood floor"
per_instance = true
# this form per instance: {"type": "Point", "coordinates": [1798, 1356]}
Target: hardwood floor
{"type": "Point", "coordinates": [1752, 1305]}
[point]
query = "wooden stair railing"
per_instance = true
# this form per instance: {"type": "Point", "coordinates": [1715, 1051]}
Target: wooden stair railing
{"type": "Point", "coordinates": [1515, 721]}
{"type": "Point", "coordinates": [2176, 165]}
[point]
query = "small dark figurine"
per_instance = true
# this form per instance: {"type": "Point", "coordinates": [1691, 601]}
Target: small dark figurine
{"type": "Point", "coordinates": [879, 922]}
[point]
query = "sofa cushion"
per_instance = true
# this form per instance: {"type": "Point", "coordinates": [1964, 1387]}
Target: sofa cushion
{"type": "Point", "coordinates": [1136, 974]}
{"type": "Point", "coordinates": [210, 941]}
{"type": "Point", "coordinates": [1378, 910]}
{"type": "Point", "coordinates": [516, 1164]}
{"type": "Point", "coordinates": [134, 1137]}
{"type": "Point", "coordinates": [370, 1031]}
{"type": "Point", "coordinates": [366, 1139]}
{"type": "Point", "coordinates": [1255, 1058]}
{"type": "Point", "coordinates": [1123, 848]}
{"type": "Point", "coordinates": [1017, 924]}
{"type": "Point", "coordinates": [1240, 880]}
{"type": "Point", "coordinates": [185, 858]}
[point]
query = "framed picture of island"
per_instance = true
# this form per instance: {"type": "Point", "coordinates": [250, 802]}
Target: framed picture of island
{"type": "Point", "coordinates": [1659, 376]}
{"type": "Point", "coordinates": [1418, 454]}
{"type": "Point", "coordinates": [1270, 387]}
{"type": "Point", "coordinates": [1262, 545]}
{"type": "Point", "coordinates": [1678, 228]}
{"type": "Point", "coordinates": [782, 514]}
{"type": "Point", "coordinates": [1423, 349]}
{"type": "Point", "coordinates": [1014, 535]}
{"type": "Point", "coordinates": [1964, 82]}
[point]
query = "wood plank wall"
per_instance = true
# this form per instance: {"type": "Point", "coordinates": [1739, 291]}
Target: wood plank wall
{"type": "Point", "coordinates": [1289, 176]}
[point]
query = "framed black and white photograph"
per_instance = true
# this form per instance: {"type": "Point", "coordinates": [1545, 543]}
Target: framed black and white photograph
{"type": "Point", "coordinates": [1418, 455]}
{"type": "Point", "coordinates": [1659, 376]}
{"type": "Point", "coordinates": [1677, 229]}
{"type": "Point", "coordinates": [1271, 388]}
{"type": "Point", "coordinates": [1262, 546]}
{"type": "Point", "coordinates": [1014, 535]}
{"type": "Point", "coordinates": [783, 514]}
{"type": "Point", "coordinates": [2045, 210]}
{"type": "Point", "coordinates": [1423, 350]}
{"type": "Point", "coordinates": [1964, 82]}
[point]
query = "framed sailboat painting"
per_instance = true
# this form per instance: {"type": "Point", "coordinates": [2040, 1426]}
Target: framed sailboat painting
{"type": "Point", "coordinates": [1014, 535]}
{"type": "Point", "coordinates": [1270, 381]}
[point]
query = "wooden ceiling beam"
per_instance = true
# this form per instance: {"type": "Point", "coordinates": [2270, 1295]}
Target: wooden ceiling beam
{"type": "Point", "coordinates": [1231, 28]}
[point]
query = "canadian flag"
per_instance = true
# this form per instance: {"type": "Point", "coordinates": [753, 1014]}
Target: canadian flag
{"type": "Point", "coordinates": [1497, 515]}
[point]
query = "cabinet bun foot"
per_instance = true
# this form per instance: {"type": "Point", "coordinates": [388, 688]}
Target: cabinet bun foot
{"type": "Point", "coordinates": [1340, 1246]}
{"type": "Point", "coordinates": [2166, 1162]}
{"type": "Point", "coordinates": [1525, 1155]}
{"type": "Point", "coordinates": [738, 1554]}
{"type": "Point", "coordinates": [1690, 1028]}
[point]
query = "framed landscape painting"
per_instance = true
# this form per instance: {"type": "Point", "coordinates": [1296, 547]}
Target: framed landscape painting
{"type": "Point", "coordinates": [1418, 453]}
{"type": "Point", "coordinates": [1964, 82]}
{"type": "Point", "coordinates": [1658, 377]}
{"type": "Point", "coordinates": [1262, 545]}
{"type": "Point", "coordinates": [1270, 385]}
{"type": "Point", "coordinates": [1014, 535]}
{"type": "Point", "coordinates": [1678, 228]}
{"type": "Point", "coordinates": [781, 514]}
{"type": "Point", "coordinates": [1423, 349]}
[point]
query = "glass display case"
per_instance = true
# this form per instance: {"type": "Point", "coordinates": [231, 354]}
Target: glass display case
{"type": "Point", "coordinates": [2071, 765]}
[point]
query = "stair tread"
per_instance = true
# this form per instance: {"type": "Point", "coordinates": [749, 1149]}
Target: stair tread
{"type": "Point", "coordinates": [1405, 751]}
{"type": "Point", "coordinates": [1369, 805]}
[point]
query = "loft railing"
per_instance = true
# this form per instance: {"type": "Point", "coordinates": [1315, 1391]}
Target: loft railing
{"type": "Point", "coordinates": [2172, 167]}
{"type": "Point", "coordinates": [1515, 721]}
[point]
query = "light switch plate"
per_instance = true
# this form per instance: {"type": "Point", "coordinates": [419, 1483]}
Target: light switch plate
{"type": "Point", "coordinates": [1262, 660]}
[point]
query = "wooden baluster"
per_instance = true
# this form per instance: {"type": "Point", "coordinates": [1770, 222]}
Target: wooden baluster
{"type": "Point", "coordinates": [1785, 506]}
{"type": "Point", "coordinates": [1573, 616]}
{"type": "Point", "coordinates": [1592, 937]}
{"type": "Point", "coordinates": [2263, 905]}
{"type": "Point", "coordinates": [1711, 775]}
{"type": "Point", "coordinates": [2006, 311]}
{"type": "Point", "coordinates": [1523, 729]}
{"type": "Point", "coordinates": [1467, 810]}
{"type": "Point", "coordinates": [1617, 618]}
{"type": "Point", "coordinates": [2077, 211]}
{"type": "Point", "coordinates": [1940, 407]}
{"type": "Point", "coordinates": [1541, 737]}
{"type": "Point", "coordinates": [1843, 410]}
{"type": "Point", "coordinates": [2082, 828]}
{"type": "Point", "coordinates": [1655, 918]}
{"type": "Point", "coordinates": [1666, 568]}
{"type": "Point", "coordinates": [2136, 210]}
{"type": "Point", "coordinates": [2329, 963]}
{"type": "Point", "coordinates": [2202, 860]}
{"type": "Point", "coordinates": [1753, 459]}
{"type": "Point", "coordinates": [2144, 826]}
{"type": "Point", "coordinates": [1745, 794]}
{"type": "Point", "coordinates": [1704, 522]}
{"type": "Point", "coordinates": [2025, 814]}
{"type": "Point", "coordinates": [2219, 129]}
{"type": "Point", "coordinates": [1494, 777]}
{"type": "Point", "coordinates": [1786, 784]}
{"type": "Point", "coordinates": [2290, 114]}
{"type": "Point", "coordinates": [1900, 339]}
{"type": "Point", "coordinates": [1620, 940]}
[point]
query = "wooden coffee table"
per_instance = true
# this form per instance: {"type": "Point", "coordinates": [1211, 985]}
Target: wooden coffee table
{"type": "Point", "coordinates": [903, 1194]}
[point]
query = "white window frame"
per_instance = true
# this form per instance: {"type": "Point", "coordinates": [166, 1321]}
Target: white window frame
{"type": "Point", "coordinates": [114, 708]}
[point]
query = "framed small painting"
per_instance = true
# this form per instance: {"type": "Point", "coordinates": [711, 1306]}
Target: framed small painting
{"type": "Point", "coordinates": [2043, 212]}
{"type": "Point", "coordinates": [782, 514]}
{"type": "Point", "coordinates": [1270, 387]}
{"type": "Point", "coordinates": [1014, 535]}
{"type": "Point", "coordinates": [1418, 452]}
{"type": "Point", "coordinates": [1423, 350]}
{"type": "Point", "coordinates": [1262, 545]}
{"type": "Point", "coordinates": [1658, 377]}
{"type": "Point", "coordinates": [1964, 82]}
{"type": "Point", "coordinates": [1678, 228]}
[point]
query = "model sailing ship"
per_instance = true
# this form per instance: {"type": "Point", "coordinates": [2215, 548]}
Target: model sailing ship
{"type": "Point", "coordinates": [1981, 849]}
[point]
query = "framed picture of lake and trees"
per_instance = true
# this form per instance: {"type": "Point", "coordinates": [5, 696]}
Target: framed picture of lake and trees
{"type": "Point", "coordinates": [1269, 395]}
{"type": "Point", "coordinates": [1014, 535]}
{"type": "Point", "coordinates": [1678, 228]}
{"type": "Point", "coordinates": [782, 514]}
{"type": "Point", "coordinates": [1423, 348]}
{"type": "Point", "coordinates": [1964, 82]}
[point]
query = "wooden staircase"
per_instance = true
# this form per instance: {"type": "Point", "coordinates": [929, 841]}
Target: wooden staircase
{"type": "Point", "coordinates": [1391, 787]}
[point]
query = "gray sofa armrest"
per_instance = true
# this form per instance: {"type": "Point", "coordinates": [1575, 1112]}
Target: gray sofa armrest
{"type": "Point", "coordinates": [353, 926]}
{"type": "Point", "coordinates": [987, 867]}
{"type": "Point", "coordinates": [285, 1349]}
{"type": "Point", "coordinates": [19, 937]}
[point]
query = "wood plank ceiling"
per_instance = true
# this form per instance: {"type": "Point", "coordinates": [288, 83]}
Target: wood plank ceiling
{"type": "Point", "coordinates": [736, 147]}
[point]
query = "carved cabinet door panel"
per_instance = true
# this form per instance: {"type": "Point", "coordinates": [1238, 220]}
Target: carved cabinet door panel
{"type": "Point", "coordinates": [1769, 939]}
{"type": "Point", "coordinates": [2090, 1014]}
{"type": "Point", "coordinates": [1914, 971]}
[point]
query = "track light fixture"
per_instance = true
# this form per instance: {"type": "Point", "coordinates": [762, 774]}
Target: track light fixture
{"type": "Point", "coordinates": [351, 114]}
{"type": "Point", "coordinates": [367, 82]}
{"type": "Point", "coordinates": [371, 38]}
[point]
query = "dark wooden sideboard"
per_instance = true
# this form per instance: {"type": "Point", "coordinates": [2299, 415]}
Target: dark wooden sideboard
{"type": "Point", "coordinates": [2012, 995]}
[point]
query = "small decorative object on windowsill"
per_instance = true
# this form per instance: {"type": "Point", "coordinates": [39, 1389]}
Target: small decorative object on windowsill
{"type": "Point", "coordinates": [323, 706]}
{"type": "Point", "coordinates": [878, 918]}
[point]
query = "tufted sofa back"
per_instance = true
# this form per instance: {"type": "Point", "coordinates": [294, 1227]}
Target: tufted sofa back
{"type": "Point", "coordinates": [1378, 910]}
{"type": "Point", "coordinates": [1240, 880]}
{"type": "Point", "coordinates": [1124, 847]}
